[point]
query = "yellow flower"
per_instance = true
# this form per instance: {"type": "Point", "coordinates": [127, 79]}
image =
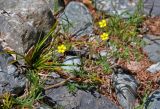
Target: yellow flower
{"type": "Point", "coordinates": [61, 48]}
{"type": "Point", "coordinates": [102, 23]}
{"type": "Point", "coordinates": [104, 36]}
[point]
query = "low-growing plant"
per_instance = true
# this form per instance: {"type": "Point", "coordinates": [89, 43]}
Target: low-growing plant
{"type": "Point", "coordinates": [81, 73]}
{"type": "Point", "coordinates": [105, 64]}
{"type": "Point", "coordinates": [72, 87]}
{"type": "Point", "coordinates": [33, 91]}
{"type": "Point", "coordinates": [123, 34]}
{"type": "Point", "coordinates": [7, 102]}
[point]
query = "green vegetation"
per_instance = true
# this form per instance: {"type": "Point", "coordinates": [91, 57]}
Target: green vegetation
{"type": "Point", "coordinates": [37, 60]}
{"type": "Point", "coordinates": [33, 93]}
{"type": "Point", "coordinates": [7, 101]}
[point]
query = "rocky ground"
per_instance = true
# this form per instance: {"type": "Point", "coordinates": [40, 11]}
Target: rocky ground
{"type": "Point", "coordinates": [119, 84]}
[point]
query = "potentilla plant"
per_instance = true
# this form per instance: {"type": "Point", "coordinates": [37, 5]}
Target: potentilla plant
{"type": "Point", "coordinates": [122, 36]}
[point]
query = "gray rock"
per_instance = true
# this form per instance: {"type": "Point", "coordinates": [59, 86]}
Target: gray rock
{"type": "Point", "coordinates": [72, 63]}
{"type": "Point", "coordinates": [152, 7]}
{"type": "Point", "coordinates": [56, 5]}
{"type": "Point", "coordinates": [152, 47]}
{"type": "Point", "coordinates": [119, 7]}
{"type": "Point", "coordinates": [125, 86]}
{"type": "Point", "coordinates": [23, 22]}
{"type": "Point", "coordinates": [103, 53]}
{"type": "Point", "coordinates": [154, 68]}
{"type": "Point", "coordinates": [153, 101]}
{"type": "Point", "coordinates": [10, 78]}
{"type": "Point", "coordinates": [80, 100]}
{"type": "Point", "coordinates": [76, 20]}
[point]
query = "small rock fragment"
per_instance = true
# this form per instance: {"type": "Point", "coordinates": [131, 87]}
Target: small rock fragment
{"type": "Point", "coordinates": [154, 68]}
{"type": "Point", "coordinates": [72, 63]}
{"type": "Point", "coordinates": [152, 47]}
{"type": "Point", "coordinates": [103, 53]}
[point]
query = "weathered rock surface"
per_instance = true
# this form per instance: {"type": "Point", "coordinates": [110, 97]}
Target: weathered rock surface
{"type": "Point", "coordinates": [23, 21]}
{"type": "Point", "coordinates": [152, 7]}
{"type": "Point", "coordinates": [119, 7]}
{"type": "Point", "coordinates": [11, 80]}
{"type": "Point", "coordinates": [153, 101]}
{"type": "Point", "coordinates": [80, 100]}
{"type": "Point", "coordinates": [76, 20]}
{"type": "Point", "coordinates": [125, 86]}
{"type": "Point", "coordinates": [152, 47]}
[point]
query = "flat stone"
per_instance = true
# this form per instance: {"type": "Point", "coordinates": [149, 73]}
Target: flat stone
{"type": "Point", "coordinates": [152, 47]}
{"type": "Point", "coordinates": [76, 20]}
{"type": "Point", "coordinates": [153, 101]}
{"type": "Point", "coordinates": [80, 100]}
{"type": "Point", "coordinates": [125, 86]}
{"type": "Point", "coordinates": [72, 63]}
